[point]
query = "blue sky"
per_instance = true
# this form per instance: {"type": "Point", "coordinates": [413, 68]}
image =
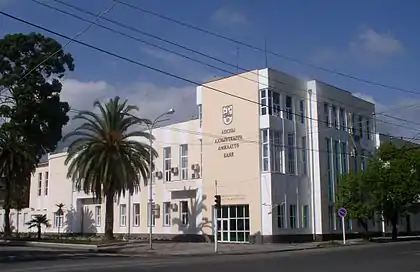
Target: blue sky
{"type": "Point", "coordinates": [375, 40]}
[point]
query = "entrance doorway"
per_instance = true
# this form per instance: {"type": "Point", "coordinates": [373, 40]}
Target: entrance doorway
{"type": "Point", "coordinates": [233, 224]}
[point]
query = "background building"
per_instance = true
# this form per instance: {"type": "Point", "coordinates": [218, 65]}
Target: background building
{"type": "Point", "coordinates": [270, 144]}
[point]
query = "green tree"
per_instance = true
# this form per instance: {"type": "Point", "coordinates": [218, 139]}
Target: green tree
{"type": "Point", "coordinates": [16, 165]}
{"type": "Point", "coordinates": [31, 67]}
{"type": "Point", "coordinates": [354, 195]}
{"type": "Point", "coordinates": [37, 222]}
{"type": "Point", "coordinates": [106, 157]}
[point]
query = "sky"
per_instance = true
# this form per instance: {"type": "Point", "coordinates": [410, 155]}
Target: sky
{"type": "Point", "coordinates": [373, 40]}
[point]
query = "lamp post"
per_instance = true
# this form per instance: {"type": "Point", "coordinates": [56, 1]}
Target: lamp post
{"type": "Point", "coordinates": [151, 126]}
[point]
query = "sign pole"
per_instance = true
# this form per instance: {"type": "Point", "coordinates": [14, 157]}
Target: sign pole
{"type": "Point", "coordinates": [342, 212]}
{"type": "Point", "coordinates": [215, 223]}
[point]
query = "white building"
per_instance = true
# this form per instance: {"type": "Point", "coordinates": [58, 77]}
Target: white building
{"type": "Point", "coordinates": [270, 144]}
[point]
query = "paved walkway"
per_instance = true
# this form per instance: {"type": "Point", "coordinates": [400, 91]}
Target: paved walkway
{"type": "Point", "coordinates": [200, 249]}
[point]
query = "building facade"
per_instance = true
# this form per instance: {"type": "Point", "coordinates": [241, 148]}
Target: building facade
{"type": "Point", "coordinates": [271, 145]}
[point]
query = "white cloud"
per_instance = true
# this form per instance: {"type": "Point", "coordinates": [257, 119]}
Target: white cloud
{"type": "Point", "coordinates": [228, 16]}
{"type": "Point", "coordinates": [368, 47]}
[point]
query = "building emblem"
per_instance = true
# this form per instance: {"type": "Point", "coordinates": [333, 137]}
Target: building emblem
{"type": "Point", "coordinates": [227, 114]}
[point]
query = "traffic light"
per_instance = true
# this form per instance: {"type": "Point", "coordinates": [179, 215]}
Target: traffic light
{"type": "Point", "coordinates": [217, 201]}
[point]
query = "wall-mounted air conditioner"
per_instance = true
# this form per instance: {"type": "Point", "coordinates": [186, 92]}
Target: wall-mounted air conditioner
{"type": "Point", "coordinates": [174, 171]}
{"type": "Point", "coordinates": [158, 174]}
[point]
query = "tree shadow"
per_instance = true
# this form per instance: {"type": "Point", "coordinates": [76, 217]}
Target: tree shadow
{"type": "Point", "coordinates": [80, 223]}
{"type": "Point", "coordinates": [196, 229]}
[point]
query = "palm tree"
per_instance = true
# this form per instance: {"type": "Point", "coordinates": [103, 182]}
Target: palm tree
{"type": "Point", "coordinates": [17, 162]}
{"type": "Point", "coordinates": [59, 212]}
{"type": "Point", "coordinates": [37, 222]}
{"type": "Point", "coordinates": [104, 158]}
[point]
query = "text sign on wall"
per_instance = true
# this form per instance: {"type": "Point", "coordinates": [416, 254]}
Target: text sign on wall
{"type": "Point", "coordinates": [227, 144]}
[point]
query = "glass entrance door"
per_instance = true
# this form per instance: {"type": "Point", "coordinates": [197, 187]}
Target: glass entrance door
{"type": "Point", "coordinates": [233, 224]}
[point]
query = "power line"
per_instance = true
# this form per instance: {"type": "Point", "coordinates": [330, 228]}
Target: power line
{"type": "Point", "coordinates": [168, 50]}
{"type": "Point", "coordinates": [137, 7]}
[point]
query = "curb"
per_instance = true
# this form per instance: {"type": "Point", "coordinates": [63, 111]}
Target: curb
{"type": "Point", "coordinates": [29, 258]}
{"type": "Point", "coordinates": [50, 245]}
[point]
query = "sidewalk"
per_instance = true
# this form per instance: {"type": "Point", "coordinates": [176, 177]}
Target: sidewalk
{"type": "Point", "coordinates": [203, 249]}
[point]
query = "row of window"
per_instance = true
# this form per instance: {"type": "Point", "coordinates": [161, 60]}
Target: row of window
{"type": "Point", "coordinates": [296, 219]}
{"type": "Point", "coordinates": [40, 179]}
{"type": "Point", "coordinates": [273, 150]}
{"type": "Point", "coordinates": [167, 162]}
{"type": "Point", "coordinates": [338, 118]}
{"type": "Point", "coordinates": [272, 103]}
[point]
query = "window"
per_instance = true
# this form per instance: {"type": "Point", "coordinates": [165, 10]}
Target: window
{"type": "Point", "coordinates": [351, 121]}
{"type": "Point", "coordinates": [269, 103]}
{"type": "Point", "coordinates": [263, 102]}
{"type": "Point", "coordinates": [184, 212]}
{"type": "Point", "coordinates": [167, 163]}
{"type": "Point", "coordinates": [289, 107]}
{"type": "Point", "coordinates": [264, 150]}
{"type": "Point", "coordinates": [327, 115]}
{"type": "Point", "coordinates": [200, 114]}
{"type": "Point", "coordinates": [363, 160]}
{"type": "Point", "coordinates": [355, 161]}
{"type": "Point", "coordinates": [335, 116]}
{"type": "Point", "coordinates": [291, 166]}
{"type": "Point", "coordinates": [151, 215]}
{"type": "Point", "coordinates": [275, 151]}
{"type": "Point", "coordinates": [39, 184]}
{"type": "Point", "coordinates": [58, 220]}
{"type": "Point", "coordinates": [136, 214]}
{"type": "Point", "coordinates": [46, 184]}
{"type": "Point", "coordinates": [361, 126]}
{"type": "Point", "coordinates": [305, 216]}
{"type": "Point", "coordinates": [292, 216]}
{"type": "Point", "coordinates": [343, 119]}
{"type": "Point", "coordinates": [344, 155]}
{"type": "Point", "coordinates": [123, 215]}
{"type": "Point", "coordinates": [280, 216]}
{"type": "Point", "coordinates": [331, 217]}
{"type": "Point", "coordinates": [302, 111]}
{"type": "Point", "coordinates": [329, 170]}
{"type": "Point", "coordinates": [25, 218]}
{"type": "Point", "coordinates": [166, 213]}
{"type": "Point", "coordinates": [368, 129]}
{"type": "Point", "coordinates": [98, 216]}
{"type": "Point", "coordinates": [337, 162]}
{"type": "Point", "coordinates": [304, 156]}
{"type": "Point", "coordinates": [183, 150]}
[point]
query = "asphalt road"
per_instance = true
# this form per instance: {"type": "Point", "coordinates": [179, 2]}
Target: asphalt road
{"type": "Point", "coordinates": [391, 257]}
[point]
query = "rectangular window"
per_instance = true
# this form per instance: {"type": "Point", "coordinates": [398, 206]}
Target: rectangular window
{"type": "Point", "coordinates": [329, 170]}
{"type": "Point", "coordinates": [275, 151]}
{"type": "Point", "coordinates": [136, 214]}
{"type": "Point", "coordinates": [363, 160]}
{"type": "Point", "coordinates": [344, 156]}
{"type": "Point", "coordinates": [368, 129]}
{"type": "Point", "coordinates": [166, 213]}
{"type": "Point", "coordinates": [361, 126]}
{"type": "Point", "coordinates": [292, 216]}
{"type": "Point", "coordinates": [39, 184]}
{"type": "Point", "coordinates": [305, 216]}
{"type": "Point", "coordinates": [98, 216]}
{"type": "Point", "coordinates": [351, 121]}
{"type": "Point", "coordinates": [263, 102]}
{"type": "Point", "coordinates": [356, 161]}
{"type": "Point", "coordinates": [331, 217]}
{"type": "Point", "coordinates": [184, 212]}
{"type": "Point", "coordinates": [335, 117]}
{"type": "Point", "coordinates": [46, 183]}
{"type": "Point", "coordinates": [343, 119]}
{"type": "Point", "coordinates": [327, 115]}
{"type": "Point", "coordinates": [151, 211]}
{"type": "Point", "coordinates": [291, 166]}
{"type": "Point", "coordinates": [265, 159]}
{"type": "Point", "coordinates": [183, 150]}
{"type": "Point", "coordinates": [280, 216]}
{"type": "Point", "coordinates": [337, 161]}
{"type": "Point", "coordinates": [123, 215]}
{"type": "Point", "coordinates": [167, 163]}
{"type": "Point", "coordinates": [289, 107]}
{"type": "Point", "coordinates": [302, 111]}
{"type": "Point", "coordinates": [58, 220]}
{"type": "Point", "coordinates": [276, 104]}
{"type": "Point", "coordinates": [304, 156]}
{"type": "Point", "coordinates": [270, 102]}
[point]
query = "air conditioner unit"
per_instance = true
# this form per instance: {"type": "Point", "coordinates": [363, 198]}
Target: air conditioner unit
{"type": "Point", "coordinates": [195, 175]}
{"type": "Point", "coordinates": [195, 167]}
{"type": "Point", "coordinates": [174, 207]}
{"type": "Point", "coordinates": [174, 171]}
{"type": "Point", "coordinates": [158, 175]}
{"type": "Point", "coordinates": [156, 207]}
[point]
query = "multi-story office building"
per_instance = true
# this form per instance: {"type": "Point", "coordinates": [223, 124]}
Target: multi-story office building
{"type": "Point", "coordinates": [270, 144]}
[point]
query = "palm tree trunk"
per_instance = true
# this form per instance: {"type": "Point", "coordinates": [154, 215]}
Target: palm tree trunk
{"type": "Point", "coordinates": [39, 232]}
{"type": "Point", "coordinates": [109, 217]}
{"type": "Point", "coordinates": [7, 206]}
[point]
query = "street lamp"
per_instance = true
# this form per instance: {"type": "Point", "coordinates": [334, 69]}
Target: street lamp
{"type": "Point", "coordinates": [151, 126]}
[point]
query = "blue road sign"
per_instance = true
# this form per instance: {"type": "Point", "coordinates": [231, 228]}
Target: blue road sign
{"type": "Point", "coordinates": [342, 212]}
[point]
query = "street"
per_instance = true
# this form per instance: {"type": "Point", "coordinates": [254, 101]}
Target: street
{"type": "Point", "coordinates": [401, 256]}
